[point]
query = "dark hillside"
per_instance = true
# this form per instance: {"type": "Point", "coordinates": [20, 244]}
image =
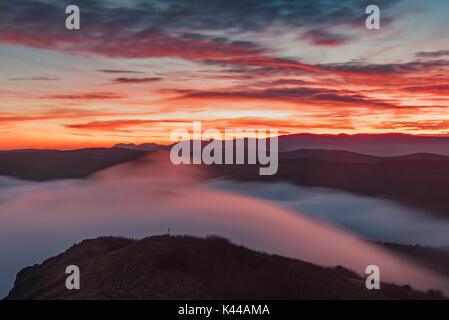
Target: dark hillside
{"type": "Point", "coordinates": [164, 267]}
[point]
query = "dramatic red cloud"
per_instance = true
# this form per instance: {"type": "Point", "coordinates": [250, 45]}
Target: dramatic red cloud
{"type": "Point", "coordinates": [119, 124]}
{"type": "Point", "coordinates": [60, 113]}
{"type": "Point", "coordinates": [135, 80]}
{"type": "Point", "coordinates": [415, 125]}
{"type": "Point", "coordinates": [232, 68]}
{"type": "Point", "coordinates": [296, 95]}
{"type": "Point", "coordinates": [286, 125]}
{"type": "Point", "coordinates": [86, 96]}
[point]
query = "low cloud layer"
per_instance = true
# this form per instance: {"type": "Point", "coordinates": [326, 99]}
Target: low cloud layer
{"type": "Point", "coordinates": [371, 218]}
{"type": "Point", "coordinates": [39, 220]}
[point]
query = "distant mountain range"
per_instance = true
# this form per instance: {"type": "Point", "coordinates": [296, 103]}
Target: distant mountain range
{"type": "Point", "coordinates": [41, 165]}
{"type": "Point", "coordinates": [143, 146]}
{"type": "Point", "coordinates": [418, 180]}
{"type": "Point", "coordinates": [391, 144]}
{"type": "Point", "coordinates": [182, 267]}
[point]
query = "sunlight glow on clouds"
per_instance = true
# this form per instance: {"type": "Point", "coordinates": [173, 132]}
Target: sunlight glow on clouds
{"type": "Point", "coordinates": [305, 66]}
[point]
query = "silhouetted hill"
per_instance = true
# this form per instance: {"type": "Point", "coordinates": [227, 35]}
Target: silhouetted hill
{"type": "Point", "coordinates": [389, 144]}
{"type": "Point", "coordinates": [164, 267]}
{"type": "Point", "coordinates": [352, 157]}
{"type": "Point", "coordinates": [417, 180]}
{"type": "Point", "coordinates": [42, 165]}
{"type": "Point", "coordinates": [142, 147]}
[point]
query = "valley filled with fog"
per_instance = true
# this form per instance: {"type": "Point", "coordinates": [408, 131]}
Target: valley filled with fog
{"type": "Point", "coordinates": [41, 219]}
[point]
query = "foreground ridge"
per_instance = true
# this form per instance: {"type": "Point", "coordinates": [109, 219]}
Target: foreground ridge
{"type": "Point", "coordinates": [185, 267]}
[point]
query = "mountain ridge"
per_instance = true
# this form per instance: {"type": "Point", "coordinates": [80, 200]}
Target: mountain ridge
{"type": "Point", "coordinates": [381, 144]}
{"type": "Point", "coordinates": [416, 180]}
{"type": "Point", "coordinates": [185, 267]}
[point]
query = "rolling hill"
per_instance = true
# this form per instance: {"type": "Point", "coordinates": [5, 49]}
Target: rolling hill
{"type": "Point", "coordinates": [182, 267]}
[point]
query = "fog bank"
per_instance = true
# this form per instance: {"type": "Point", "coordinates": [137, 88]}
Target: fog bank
{"type": "Point", "coordinates": [39, 220]}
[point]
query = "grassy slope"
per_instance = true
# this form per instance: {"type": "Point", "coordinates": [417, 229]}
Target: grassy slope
{"type": "Point", "coordinates": [163, 267]}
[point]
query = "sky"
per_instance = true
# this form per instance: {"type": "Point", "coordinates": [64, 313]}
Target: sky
{"type": "Point", "coordinates": [136, 70]}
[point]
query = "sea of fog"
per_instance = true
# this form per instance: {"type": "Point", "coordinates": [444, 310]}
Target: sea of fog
{"type": "Point", "coordinates": [371, 218]}
{"type": "Point", "coordinates": [40, 220]}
